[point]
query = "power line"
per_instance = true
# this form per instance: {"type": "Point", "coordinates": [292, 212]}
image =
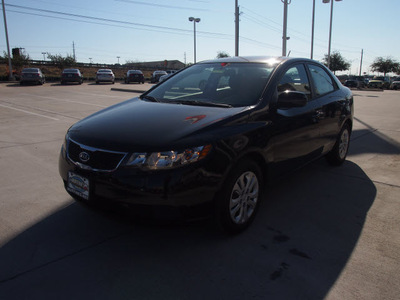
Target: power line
{"type": "Point", "coordinates": [153, 27]}
{"type": "Point", "coordinates": [161, 5]}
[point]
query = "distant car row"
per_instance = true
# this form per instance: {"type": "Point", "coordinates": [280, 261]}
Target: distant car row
{"type": "Point", "coordinates": [35, 75]}
{"type": "Point", "coordinates": [378, 82]}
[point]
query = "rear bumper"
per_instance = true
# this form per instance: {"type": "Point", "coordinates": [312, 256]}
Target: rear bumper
{"type": "Point", "coordinates": [66, 79]}
{"type": "Point", "coordinates": [105, 79]}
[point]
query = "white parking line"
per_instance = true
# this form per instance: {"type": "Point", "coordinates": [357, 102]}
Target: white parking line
{"type": "Point", "coordinates": [29, 112]}
{"type": "Point", "coordinates": [70, 101]}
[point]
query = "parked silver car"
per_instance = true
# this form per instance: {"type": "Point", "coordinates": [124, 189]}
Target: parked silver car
{"type": "Point", "coordinates": [32, 75]}
{"type": "Point", "coordinates": [105, 75]}
{"type": "Point", "coordinates": [156, 76]}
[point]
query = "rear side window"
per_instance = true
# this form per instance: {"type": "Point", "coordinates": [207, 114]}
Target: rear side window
{"type": "Point", "coordinates": [323, 83]}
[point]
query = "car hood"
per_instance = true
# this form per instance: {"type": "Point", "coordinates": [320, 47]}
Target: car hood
{"type": "Point", "coordinates": [137, 125]}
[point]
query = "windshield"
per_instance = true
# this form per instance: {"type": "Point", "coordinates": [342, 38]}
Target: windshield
{"type": "Point", "coordinates": [232, 84]}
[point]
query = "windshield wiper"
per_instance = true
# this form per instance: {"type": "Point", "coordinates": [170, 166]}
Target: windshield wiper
{"type": "Point", "coordinates": [147, 97]}
{"type": "Point", "coordinates": [201, 103]}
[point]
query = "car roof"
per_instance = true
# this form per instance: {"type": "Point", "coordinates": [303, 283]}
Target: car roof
{"type": "Point", "coordinates": [104, 70]}
{"type": "Point", "coordinates": [272, 60]}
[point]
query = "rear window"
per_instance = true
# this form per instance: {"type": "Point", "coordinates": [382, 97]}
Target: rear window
{"type": "Point", "coordinates": [104, 71]}
{"type": "Point", "coordinates": [30, 70]}
{"type": "Point", "coordinates": [71, 71]}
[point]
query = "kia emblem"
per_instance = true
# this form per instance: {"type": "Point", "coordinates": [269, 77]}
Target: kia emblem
{"type": "Point", "coordinates": [84, 157]}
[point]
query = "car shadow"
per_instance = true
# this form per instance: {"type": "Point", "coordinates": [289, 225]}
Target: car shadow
{"type": "Point", "coordinates": [378, 142]}
{"type": "Point", "coordinates": [22, 85]}
{"type": "Point", "coordinates": [101, 83]}
{"type": "Point", "coordinates": [306, 229]}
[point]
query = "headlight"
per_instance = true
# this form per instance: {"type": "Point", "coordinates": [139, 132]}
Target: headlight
{"type": "Point", "coordinates": [64, 146]}
{"type": "Point", "coordinates": [168, 159]}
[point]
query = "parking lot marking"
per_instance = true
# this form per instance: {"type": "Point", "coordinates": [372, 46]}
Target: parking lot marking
{"type": "Point", "coordinates": [29, 112]}
{"type": "Point", "coordinates": [69, 101]}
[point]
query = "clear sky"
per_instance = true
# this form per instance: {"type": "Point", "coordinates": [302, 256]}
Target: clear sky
{"type": "Point", "coordinates": [152, 30]}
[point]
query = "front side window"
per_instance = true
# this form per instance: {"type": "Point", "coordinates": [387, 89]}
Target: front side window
{"type": "Point", "coordinates": [229, 84]}
{"type": "Point", "coordinates": [295, 79]}
{"type": "Point", "coordinates": [323, 83]}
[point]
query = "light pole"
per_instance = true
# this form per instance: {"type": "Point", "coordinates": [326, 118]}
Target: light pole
{"type": "Point", "coordinates": [194, 20]}
{"type": "Point", "coordinates": [90, 60]}
{"type": "Point", "coordinates": [285, 37]}
{"type": "Point", "coordinates": [312, 30]}
{"type": "Point", "coordinates": [330, 30]}
{"type": "Point", "coordinates": [44, 53]}
{"type": "Point", "coordinates": [118, 58]}
{"type": "Point", "coordinates": [236, 28]}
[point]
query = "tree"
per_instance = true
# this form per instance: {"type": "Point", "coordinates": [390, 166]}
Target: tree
{"type": "Point", "coordinates": [221, 54]}
{"type": "Point", "coordinates": [385, 65]}
{"type": "Point", "coordinates": [18, 61]}
{"type": "Point", "coordinates": [337, 63]}
{"type": "Point", "coordinates": [62, 62]}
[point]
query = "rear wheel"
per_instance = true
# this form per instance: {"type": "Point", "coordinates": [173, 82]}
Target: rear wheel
{"type": "Point", "coordinates": [339, 152]}
{"type": "Point", "coordinates": [238, 200]}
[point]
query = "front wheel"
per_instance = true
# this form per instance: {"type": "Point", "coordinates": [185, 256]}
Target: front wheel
{"type": "Point", "coordinates": [239, 198]}
{"type": "Point", "coordinates": [339, 152]}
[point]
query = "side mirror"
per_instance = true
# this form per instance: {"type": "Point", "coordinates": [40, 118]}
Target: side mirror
{"type": "Point", "coordinates": [291, 99]}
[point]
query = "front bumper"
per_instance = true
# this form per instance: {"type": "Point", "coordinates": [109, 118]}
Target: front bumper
{"type": "Point", "coordinates": [186, 186]}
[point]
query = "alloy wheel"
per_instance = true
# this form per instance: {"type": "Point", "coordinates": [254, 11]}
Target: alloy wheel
{"type": "Point", "coordinates": [244, 198]}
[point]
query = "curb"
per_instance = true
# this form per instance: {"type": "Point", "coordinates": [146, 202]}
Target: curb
{"type": "Point", "coordinates": [128, 90]}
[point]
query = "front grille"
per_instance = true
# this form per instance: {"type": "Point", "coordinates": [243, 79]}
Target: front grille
{"type": "Point", "coordinates": [101, 160]}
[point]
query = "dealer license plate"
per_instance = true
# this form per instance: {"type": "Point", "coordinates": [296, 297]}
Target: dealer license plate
{"type": "Point", "coordinates": [78, 185]}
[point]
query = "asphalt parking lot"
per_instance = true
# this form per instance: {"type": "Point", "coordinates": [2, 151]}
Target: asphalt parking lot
{"type": "Point", "coordinates": [322, 233]}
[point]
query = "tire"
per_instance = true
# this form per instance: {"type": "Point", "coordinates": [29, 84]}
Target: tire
{"type": "Point", "coordinates": [338, 154]}
{"type": "Point", "coordinates": [238, 201]}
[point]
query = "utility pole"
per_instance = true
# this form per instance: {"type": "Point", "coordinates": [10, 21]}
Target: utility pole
{"type": "Point", "coordinates": [236, 28]}
{"type": "Point", "coordinates": [362, 53]}
{"type": "Point", "coordinates": [11, 77]}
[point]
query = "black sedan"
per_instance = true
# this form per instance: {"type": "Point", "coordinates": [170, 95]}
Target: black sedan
{"type": "Point", "coordinates": [134, 76]}
{"type": "Point", "coordinates": [71, 75]}
{"type": "Point", "coordinates": [210, 137]}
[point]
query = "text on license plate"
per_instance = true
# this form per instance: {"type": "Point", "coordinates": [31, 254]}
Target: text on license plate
{"type": "Point", "coordinates": [78, 185]}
